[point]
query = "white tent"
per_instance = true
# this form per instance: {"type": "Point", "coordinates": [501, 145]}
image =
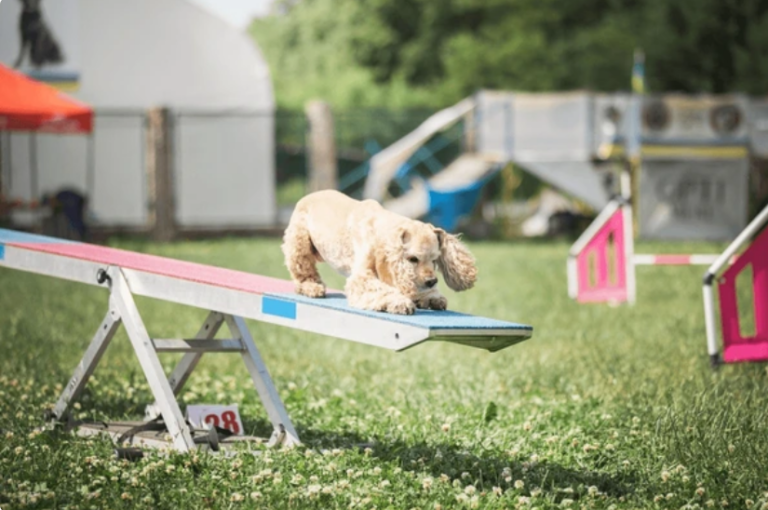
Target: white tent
{"type": "Point", "coordinates": [132, 56]}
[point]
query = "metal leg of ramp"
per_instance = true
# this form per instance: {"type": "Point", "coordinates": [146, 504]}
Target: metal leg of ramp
{"type": "Point", "coordinates": [123, 310]}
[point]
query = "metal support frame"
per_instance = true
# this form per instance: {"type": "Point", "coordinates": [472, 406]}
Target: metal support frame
{"type": "Point", "coordinates": [711, 275]}
{"type": "Point", "coordinates": [123, 310]}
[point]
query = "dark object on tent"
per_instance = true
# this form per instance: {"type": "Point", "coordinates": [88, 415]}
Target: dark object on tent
{"type": "Point", "coordinates": [36, 37]}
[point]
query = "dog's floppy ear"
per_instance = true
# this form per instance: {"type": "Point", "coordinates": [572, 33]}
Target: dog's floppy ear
{"type": "Point", "coordinates": [455, 262]}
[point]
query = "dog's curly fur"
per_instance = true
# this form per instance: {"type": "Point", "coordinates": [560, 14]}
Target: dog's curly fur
{"type": "Point", "coordinates": [390, 261]}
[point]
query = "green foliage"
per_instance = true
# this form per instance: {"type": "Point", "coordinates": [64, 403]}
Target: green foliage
{"type": "Point", "coordinates": [604, 408]}
{"type": "Point", "coordinates": [403, 53]}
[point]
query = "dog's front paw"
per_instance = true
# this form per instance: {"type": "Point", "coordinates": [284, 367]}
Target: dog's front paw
{"type": "Point", "coordinates": [438, 303]}
{"type": "Point", "coordinates": [400, 305]}
{"type": "Point", "coordinates": [432, 303]}
{"type": "Point", "coordinates": [311, 289]}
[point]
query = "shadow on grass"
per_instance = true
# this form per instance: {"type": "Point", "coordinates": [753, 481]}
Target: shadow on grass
{"type": "Point", "coordinates": [488, 469]}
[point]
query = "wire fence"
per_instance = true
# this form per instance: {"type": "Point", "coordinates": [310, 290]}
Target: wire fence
{"type": "Point", "coordinates": [358, 134]}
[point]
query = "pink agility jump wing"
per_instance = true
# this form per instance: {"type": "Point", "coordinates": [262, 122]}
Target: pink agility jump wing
{"type": "Point", "coordinates": [736, 345]}
{"type": "Point", "coordinates": [602, 272]}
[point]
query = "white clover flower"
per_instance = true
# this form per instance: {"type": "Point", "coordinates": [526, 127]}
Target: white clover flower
{"type": "Point", "coordinates": [462, 498]}
{"type": "Point", "coordinates": [665, 476]}
{"type": "Point", "coordinates": [426, 483]}
{"type": "Point", "coordinates": [384, 483]}
{"type": "Point", "coordinates": [592, 490]}
{"type": "Point", "coordinates": [710, 503]}
{"type": "Point", "coordinates": [749, 503]}
{"type": "Point", "coordinates": [523, 500]}
{"type": "Point", "coordinates": [527, 426]}
{"type": "Point", "coordinates": [446, 427]}
{"type": "Point", "coordinates": [731, 448]}
{"type": "Point", "coordinates": [670, 495]}
{"type": "Point", "coordinates": [519, 484]}
{"type": "Point", "coordinates": [327, 489]}
{"type": "Point", "coordinates": [566, 502]}
{"type": "Point", "coordinates": [464, 475]}
{"type": "Point", "coordinates": [700, 491]}
{"type": "Point", "coordinates": [314, 489]}
{"type": "Point", "coordinates": [236, 497]}
{"type": "Point", "coordinates": [497, 491]}
{"type": "Point", "coordinates": [474, 502]}
{"type": "Point", "coordinates": [470, 489]}
{"type": "Point", "coordinates": [377, 471]}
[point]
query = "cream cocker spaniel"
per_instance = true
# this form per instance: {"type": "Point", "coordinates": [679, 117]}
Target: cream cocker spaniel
{"type": "Point", "coordinates": [390, 261]}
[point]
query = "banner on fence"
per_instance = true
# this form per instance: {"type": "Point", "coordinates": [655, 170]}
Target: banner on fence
{"type": "Point", "coordinates": [693, 199]}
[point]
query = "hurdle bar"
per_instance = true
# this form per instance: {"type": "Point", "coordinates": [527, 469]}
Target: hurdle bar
{"type": "Point", "coordinates": [736, 346]}
{"type": "Point", "coordinates": [230, 297]}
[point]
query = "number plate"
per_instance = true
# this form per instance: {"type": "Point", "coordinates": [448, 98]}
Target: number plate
{"type": "Point", "coordinates": [226, 417]}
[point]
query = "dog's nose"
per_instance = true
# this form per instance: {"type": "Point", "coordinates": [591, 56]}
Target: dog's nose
{"type": "Point", "coordinates": [431, 282]}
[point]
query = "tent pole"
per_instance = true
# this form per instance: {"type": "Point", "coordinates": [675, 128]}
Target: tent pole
{"type": "Point", "coordinates": [90, 185]}
{"type": "Point", "coordinates": [33, 166]}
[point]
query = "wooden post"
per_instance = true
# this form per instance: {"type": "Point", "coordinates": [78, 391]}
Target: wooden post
{"type": "Point", "coordinates": [159, 161]}
{"type": "Point", "coordinates": [322, 172]}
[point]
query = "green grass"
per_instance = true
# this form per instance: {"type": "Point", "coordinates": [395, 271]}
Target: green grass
{"type": "Point", "coordinates": [604, 408]}
{"type": "Point", "coordinates": [291, 191]}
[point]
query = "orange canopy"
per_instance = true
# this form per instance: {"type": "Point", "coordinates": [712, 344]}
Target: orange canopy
{"type": "Point", "coordinates": [29, 105]}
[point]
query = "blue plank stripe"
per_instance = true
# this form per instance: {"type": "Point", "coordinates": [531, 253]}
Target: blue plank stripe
{"type": "Point", "coordinates": [2, 251]}
{"type": "Point", "coordinates": [15, 236]}
{"type": "Point", "coordinates": [278, 307]}
{"type": "Point", "coordinates": [422, 318]}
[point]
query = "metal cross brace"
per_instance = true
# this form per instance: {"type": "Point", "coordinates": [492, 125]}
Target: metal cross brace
{"type": "Point", "coordinates": [122, 309]}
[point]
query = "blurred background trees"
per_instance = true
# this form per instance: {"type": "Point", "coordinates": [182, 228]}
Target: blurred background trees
{"type": "Point", "coordinates": [431, 53]}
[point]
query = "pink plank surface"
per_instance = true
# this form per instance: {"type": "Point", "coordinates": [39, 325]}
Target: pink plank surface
{"type": "Point", "coordinates": [200, 273]}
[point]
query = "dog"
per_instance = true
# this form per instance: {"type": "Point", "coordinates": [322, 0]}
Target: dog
{"type": "Point", "coordinates": [390, 261]}
{"type": "Point", "coordinates": [36, 37]}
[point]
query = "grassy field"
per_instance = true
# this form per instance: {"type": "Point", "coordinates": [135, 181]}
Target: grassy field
{"type": "Point", "coordinates": [603, 408]}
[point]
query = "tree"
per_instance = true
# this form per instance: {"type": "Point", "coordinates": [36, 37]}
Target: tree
{"type": "Point", "coordinates": [434, 52]}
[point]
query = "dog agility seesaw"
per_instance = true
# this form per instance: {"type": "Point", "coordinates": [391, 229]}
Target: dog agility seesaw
{"type": "Point", "coordinates": [230, 296]}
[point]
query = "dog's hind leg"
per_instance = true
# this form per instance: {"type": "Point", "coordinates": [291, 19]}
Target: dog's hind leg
{"type": "Point", "coordinates": [301, 260]}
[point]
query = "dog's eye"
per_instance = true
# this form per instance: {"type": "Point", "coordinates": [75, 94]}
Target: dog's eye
{"type": "Point", "coordinates": [413, 259]}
